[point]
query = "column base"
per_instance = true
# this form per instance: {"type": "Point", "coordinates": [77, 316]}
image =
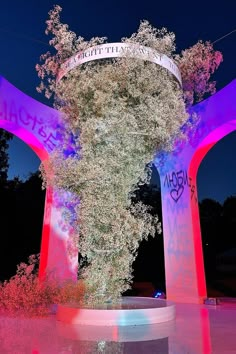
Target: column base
{"type": "Point", "coordinates": [187, 299]}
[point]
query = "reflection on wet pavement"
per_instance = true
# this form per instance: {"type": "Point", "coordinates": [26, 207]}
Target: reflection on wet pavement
{"type": "Point", "coordinates": [197, 329]}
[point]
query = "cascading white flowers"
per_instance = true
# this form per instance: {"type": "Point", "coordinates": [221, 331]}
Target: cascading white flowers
{"type": "Point", "coordinates": [120, 112]}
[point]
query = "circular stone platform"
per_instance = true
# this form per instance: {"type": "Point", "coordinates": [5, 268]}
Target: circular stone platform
{"type": "Point", "coordinates": [141, 333]}
{"type": "Point", "coordinates": [130, 312]}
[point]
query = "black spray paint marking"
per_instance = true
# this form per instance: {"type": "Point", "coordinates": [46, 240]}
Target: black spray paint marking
{"type": "Point", "coordinates": [176, 182]}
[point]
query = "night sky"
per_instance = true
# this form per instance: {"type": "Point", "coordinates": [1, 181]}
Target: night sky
{"type": "Point", "coordinates": [22, 41]}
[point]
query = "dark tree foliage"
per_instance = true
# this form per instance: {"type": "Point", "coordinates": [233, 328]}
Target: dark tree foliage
{"type": "Point", "coordinates": [229, 221]}
{"type": "Point", "coordinates": [218, 224]}
{"type": "Point", "coordinates": [149, 264]}
{"type": "Point", "coordinates": [211, 222]}
{"type": "Point", "coordinates": [5, 137]}
{"type": "Point", "coordinates": [22, 209]}
{"type": "Point", "coordinates": [229, 209]}
{"type": "Point", "coordinates": [218, 227]}
{"type": "Point", "coordinates": [211, 228]}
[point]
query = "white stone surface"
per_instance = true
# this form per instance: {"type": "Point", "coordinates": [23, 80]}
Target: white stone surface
{"type": "Point", "coordinates": [131, 312]}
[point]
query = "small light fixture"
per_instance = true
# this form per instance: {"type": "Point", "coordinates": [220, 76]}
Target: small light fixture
{"type": "Point", "coordinates": [159, 295]}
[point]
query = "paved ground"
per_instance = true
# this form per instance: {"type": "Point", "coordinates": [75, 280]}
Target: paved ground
{"type": "Point", "coordinates": [197, 329]}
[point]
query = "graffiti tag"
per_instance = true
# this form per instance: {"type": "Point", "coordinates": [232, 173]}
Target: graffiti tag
{"type": "Point", "coordinates": [19, 115]}
{"type": "Point", "coordinates": [176, 182]}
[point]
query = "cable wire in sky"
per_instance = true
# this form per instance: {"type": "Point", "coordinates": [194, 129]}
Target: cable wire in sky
{"type": "Point", "coordinates": [226, 35]}
{"type": "Point", "coordinates": [23, 36]}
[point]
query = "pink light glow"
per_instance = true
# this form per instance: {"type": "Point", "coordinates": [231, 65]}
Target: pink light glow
{"type": "Point", "coordinates": [36, 124]}
{"type": "Point", "coordinates": [184, 266]}
{"type": "Point", "coordinates": [205, 325]}
{"type": "Point", "coordinates": [45, 235]}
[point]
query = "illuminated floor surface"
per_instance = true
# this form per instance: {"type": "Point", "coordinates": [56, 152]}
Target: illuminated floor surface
{"type": "Point", "coordinates": [197, 329]}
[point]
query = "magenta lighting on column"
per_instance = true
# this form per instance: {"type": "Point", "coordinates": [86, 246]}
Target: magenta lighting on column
{"type": "Point", "coordinates": [40, 127]}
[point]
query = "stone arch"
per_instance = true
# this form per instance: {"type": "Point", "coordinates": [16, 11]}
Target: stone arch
{"type": "Point", "coordinates": [209, 141]}
{"type": "Point", "coordinates": [36, 124]}
{"type": "Point", "coordinates": [185, 275]}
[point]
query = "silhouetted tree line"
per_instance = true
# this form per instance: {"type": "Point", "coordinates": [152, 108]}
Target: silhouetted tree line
{"type": "Point", "coordinates": [218, 227]}
{"type": "Point", "coordinates": [149, 264]}
{"type": "Point", "coordinates": [5, 137]}
{"type": "Point", "coordinates": [218, 224]}
{"type": "Point", "coordinates": [21, 219]}
{"type": "Point", "coordinates": [22, 207]}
